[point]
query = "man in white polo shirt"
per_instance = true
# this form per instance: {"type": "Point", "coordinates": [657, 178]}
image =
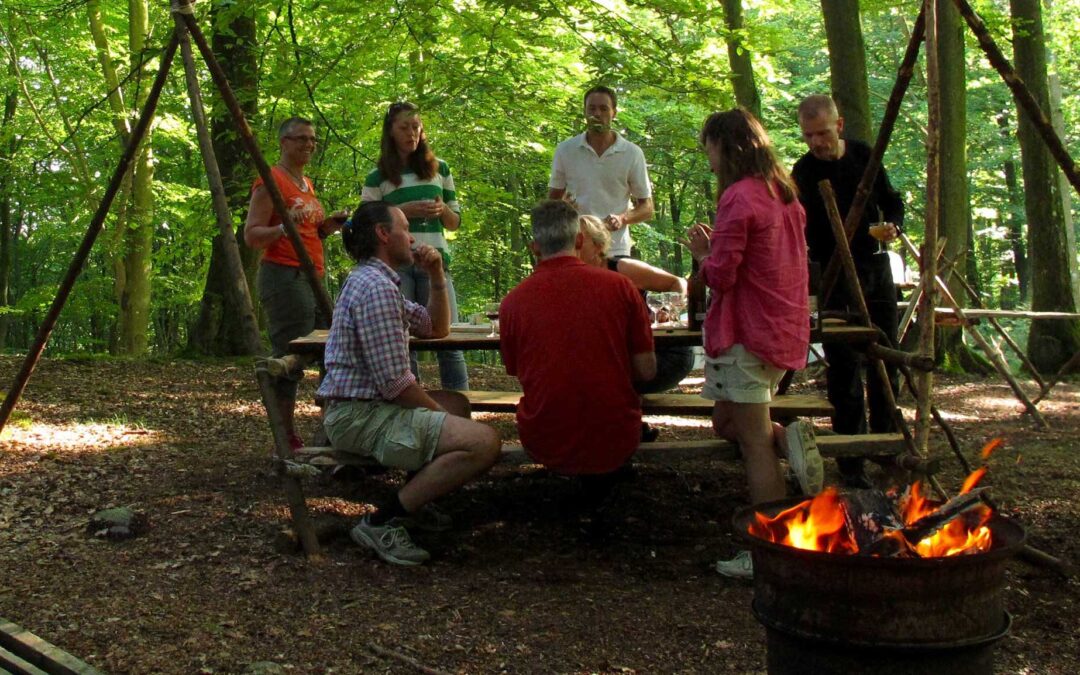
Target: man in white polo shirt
{"type": "Point", "coordinates": [603, 173]}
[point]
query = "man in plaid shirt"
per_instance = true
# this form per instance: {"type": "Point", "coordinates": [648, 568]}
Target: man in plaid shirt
{"type": "Point", "coordinates": [376, 407]}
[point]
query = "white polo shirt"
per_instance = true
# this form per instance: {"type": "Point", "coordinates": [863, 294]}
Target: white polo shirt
{"type": "Point", "coordinates": [602, 185]}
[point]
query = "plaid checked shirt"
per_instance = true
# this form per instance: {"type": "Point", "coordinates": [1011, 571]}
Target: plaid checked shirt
{"type": "Point", "coordinates": [367, 351]}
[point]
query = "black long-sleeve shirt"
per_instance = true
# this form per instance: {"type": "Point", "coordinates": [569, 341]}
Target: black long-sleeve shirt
{"type": "Point", "coordinates": [844, 174]}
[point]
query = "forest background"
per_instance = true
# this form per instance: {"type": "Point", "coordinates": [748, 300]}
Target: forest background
{"type": "Point", "coordinates": [499, 85]}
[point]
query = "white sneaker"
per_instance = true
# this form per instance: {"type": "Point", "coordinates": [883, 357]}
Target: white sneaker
{"type": "Point", "coordinates": [739, 567]}
{"type": "Point", "coordinates": [803, 455]}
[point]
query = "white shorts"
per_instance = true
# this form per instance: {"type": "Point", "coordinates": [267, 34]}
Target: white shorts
{"type": "Point", "coordinates": [739, 376]}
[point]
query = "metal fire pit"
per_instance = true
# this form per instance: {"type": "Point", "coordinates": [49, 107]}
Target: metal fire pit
{"type": "Point", "coordinates": [828, 613]}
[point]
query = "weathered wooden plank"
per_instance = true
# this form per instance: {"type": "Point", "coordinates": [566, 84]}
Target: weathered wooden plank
{"type": "Point", "coordinates": [10, 663]}
{"type": "Point", "coordinates": [39, 653]}
{"type": "Point", "coordinates": [832, 445]}
{"type": "Point", "coordinates": [788, 405]}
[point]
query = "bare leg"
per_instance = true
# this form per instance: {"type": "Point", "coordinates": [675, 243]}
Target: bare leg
{"type": "Point", "coordinates": [748, 425]}
{"type": "Point", "coordinates": [466, 450]}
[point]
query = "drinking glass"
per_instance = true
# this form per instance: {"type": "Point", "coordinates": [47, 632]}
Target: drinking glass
{"type": "Point", "coordinates": [655, 303]}
{"type": "Point", "coordinates": [879, 231]}
{"type": "Point", "coordinates": [677, 302]}
{"type": "Point", "coordinates": [491, 311]}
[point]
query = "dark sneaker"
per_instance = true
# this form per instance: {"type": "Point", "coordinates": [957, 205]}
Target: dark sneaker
{"type": "Point", "coordinates": [803, 456]}
{"type": "Point", "coordinates": [390, 542]}
{"type": "Point", "coordinates": [427, 519]}
{"type": "Point", "coordinates": [739, 567]}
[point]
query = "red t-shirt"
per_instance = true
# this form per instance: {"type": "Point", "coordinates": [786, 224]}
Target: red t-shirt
{"type": "Point", "coordinates": [758, 273]}
{"type": "Point", "coordinates": [306, 213]}
{"type": "Point", "coordinates": [568, 332]}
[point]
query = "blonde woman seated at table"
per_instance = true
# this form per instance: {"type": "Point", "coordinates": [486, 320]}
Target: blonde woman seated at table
{"type": "Point", "coordinates": [672, 363]}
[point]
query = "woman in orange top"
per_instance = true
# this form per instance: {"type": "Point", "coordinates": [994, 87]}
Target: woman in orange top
{"type": "Point", "coordinates": [283, 290]}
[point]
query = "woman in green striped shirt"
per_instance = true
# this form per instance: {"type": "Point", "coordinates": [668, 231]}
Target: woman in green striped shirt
{"type": "Point", "coordinates": [413, 179]}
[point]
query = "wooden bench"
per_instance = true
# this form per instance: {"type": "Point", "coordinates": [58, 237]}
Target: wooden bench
{"type": "Point", "coordinates": [831, 445]}
{"type": "Point", "coordinates": [782, 407]}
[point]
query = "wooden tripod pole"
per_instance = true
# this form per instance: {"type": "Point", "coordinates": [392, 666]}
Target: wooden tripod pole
{"type": "Point", "coordinates": [33, 355]}
{"type": "Point", "coordinates": [1002, 368]}
{"type": "Point", "coordinates": [888, 120]}
{"type": "Point", "coordinates": [928, 263]}
{"type": "Point", "coordinates": [184, 11]}
{"type": "Point", "coordinates": [237, 288]}
{"type": "Point", "coordinates": [1001, 331]}
{"type": "Point", "coordinates": [1021, 93]}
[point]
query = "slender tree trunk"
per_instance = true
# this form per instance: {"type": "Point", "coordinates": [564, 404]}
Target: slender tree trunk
{"type": "Point", "coordinates": [1050, 343]}
{"type": "Point", "coordinates": [217, 329]}
{"type": "Point", "coordinates": [954, 212]}
{"type": "Point", "coordinates": [1017, 241]}
{"type": "Point", "coordinates": [8, 145]}
{"type": "Point", "coordinates": [847, 66]}
{"type": "Point", "coordinates": [134, 323]}
{"type": "Point", "coordinates": [114, 243]}
{"type": "Point", "coordinates": [742, 69]}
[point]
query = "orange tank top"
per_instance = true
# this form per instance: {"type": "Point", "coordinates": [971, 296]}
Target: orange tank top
{"type": "Point", "coordinates": [306, 213]}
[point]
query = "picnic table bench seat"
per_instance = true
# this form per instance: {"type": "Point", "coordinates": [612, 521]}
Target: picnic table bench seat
{"type": "Point", "coordinates": [832, 445]}
{"type": "Point", "coordinates": [782, 407]}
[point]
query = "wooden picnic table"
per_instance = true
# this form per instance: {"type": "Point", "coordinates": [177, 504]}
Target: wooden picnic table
{"type": "Point", "coordinates": [479, 338]}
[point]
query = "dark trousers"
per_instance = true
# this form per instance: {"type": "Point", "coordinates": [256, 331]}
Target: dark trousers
{"type": "Point", "coordinates": [844, 375]}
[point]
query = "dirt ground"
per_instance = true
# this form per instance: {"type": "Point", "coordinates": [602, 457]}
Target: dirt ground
{"type": "Point", "coordinates": [516, 586]}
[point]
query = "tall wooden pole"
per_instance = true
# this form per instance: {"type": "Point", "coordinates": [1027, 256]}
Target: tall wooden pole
{"type": "Point", "coordinates": [92, 232]}
{"type": "Point", "coordinates": [237, 287]}
{"type": "Point", "coordinates": [928, 261]}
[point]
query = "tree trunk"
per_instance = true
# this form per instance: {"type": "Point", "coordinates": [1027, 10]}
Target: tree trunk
{"type": "Point", "coordinates": [742, 69]}
{"type": "Point", "coordinates": [114, 243]}
{"type": "Point", "coordinates": [847, 66]}
{"type": "Point", "coordinates": [954, 213]}
{"type": "Point", "coordinates": [8, 145]}
{"type": "Point", "coordinates": [134, 322]}
{"type": "Point", "coordinates": [1057, 118]}
{"type": "Point", "coordinates": [1021, 263]}
{"type": "Point", "coordinates": [1051, 342]}
{"type": "Point", "coordinates": [218, 329]}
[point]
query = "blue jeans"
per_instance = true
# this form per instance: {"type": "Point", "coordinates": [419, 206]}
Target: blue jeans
{"type": "Point", "coordinates": [416, 286]}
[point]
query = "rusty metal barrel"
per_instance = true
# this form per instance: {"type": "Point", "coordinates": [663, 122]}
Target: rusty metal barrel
{"type": "Point", "coordinates": [828, 613]}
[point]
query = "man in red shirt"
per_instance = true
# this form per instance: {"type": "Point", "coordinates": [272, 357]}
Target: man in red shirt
{"type": "Point", "coordinates": [577, 337]}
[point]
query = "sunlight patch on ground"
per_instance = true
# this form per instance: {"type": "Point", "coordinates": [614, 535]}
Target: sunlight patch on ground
{"type": "Point", "coordinates": [86, 437]}
{"type": "Point", "coordinates": [958, 417]}
{"type": "Point", "coordinates": [683, 422]}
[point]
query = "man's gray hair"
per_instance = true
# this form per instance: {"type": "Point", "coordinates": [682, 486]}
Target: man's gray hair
{"type": "Point", "coordinates": [818, 104]}
{"type": "Point", "coordinates": [554, 226]}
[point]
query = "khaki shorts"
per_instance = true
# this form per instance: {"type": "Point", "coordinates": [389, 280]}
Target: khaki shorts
{"type": "Point", "coordinates": [740, 377]}
{"type": "Point", "coordinates": [402, 438]}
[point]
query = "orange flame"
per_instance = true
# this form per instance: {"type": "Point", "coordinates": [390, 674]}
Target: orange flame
{"type": "Point", "coordinates": [958, 537]}
{"type": "Point", "coordinates": [972, 480]}
{"type": "Point", "coordinates": [816, 524]}
{"type": "Point", "coordinates": [990, 447]}
{"type": "Point", "coordinates": [819, 524]}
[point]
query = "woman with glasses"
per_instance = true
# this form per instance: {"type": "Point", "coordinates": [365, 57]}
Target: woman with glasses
{"type": "Point", "coordinates": [410, 177]}
{"type": "Point", "coordinates": [284, 292]}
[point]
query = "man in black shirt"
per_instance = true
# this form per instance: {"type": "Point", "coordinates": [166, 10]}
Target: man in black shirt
{"type": "Point", "coordinates": [842, 162]}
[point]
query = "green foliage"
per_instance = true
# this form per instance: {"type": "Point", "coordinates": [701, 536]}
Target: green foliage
{"type": "Point", "coordinates": [499, 84]}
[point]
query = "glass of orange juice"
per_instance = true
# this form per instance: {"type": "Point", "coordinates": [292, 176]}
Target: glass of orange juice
{"type": "Point", "coordinates": [880, 231]}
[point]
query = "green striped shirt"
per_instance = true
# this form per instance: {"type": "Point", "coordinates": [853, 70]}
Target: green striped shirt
{"type": "Point", "coordinates": [412, 189]}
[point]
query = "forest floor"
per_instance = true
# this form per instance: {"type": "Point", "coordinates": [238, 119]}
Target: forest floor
{"type": "Point", "coordinates": [514, 587]}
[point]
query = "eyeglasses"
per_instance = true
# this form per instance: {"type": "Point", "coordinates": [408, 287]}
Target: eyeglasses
{"type": "Point", "coordinates": [303, 139]}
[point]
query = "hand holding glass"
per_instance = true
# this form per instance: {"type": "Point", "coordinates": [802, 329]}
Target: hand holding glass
{"type": "Point", "coordinates": [881, 232]}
